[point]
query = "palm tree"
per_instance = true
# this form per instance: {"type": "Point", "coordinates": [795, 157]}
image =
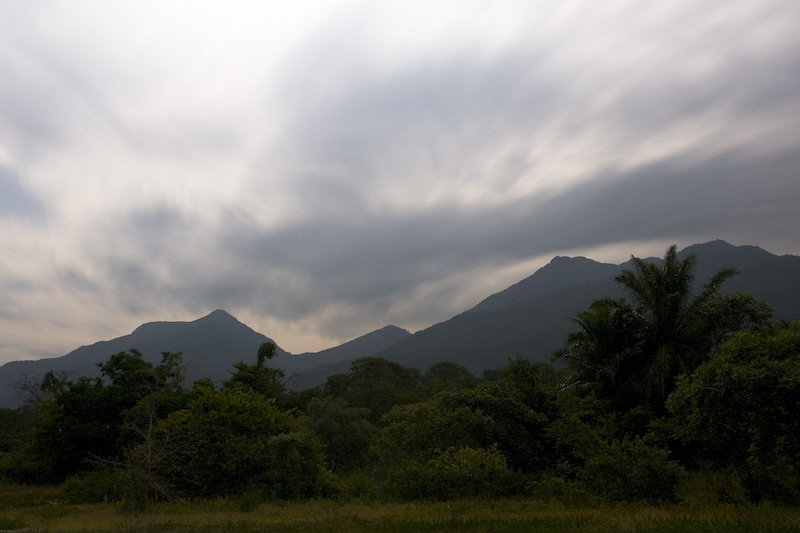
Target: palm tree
{"type": "Point", "coordinates": [670, 317]}
{"type": "Point", "coordinates": [632, 351]}
{"type": "Point", "coordinates": [602, 347]}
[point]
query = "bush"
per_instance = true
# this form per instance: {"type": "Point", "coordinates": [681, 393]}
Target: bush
{"type": "Point", "coordinates": [231, 440]}
{"type": "Point", "coordinates": [358, 485]}
{"type": "Point", "coordinates": [97, 486]}
{"type": "Point", "coordinates": [708, 488]}
{"type": "Point", "coordinates": [470, 472]}
{"type": "Point", "coordinates": [633, 471]}
{"type": "Point", "coordinates": [455, 473]}
{"type": "Point", "coordinates": [739, 410]}
{"type": "Point", "coordinates": [777, 483]}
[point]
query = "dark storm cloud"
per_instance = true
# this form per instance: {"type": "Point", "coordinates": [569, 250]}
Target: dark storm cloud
{"type": "Point", "coordinates": [384, 164]}
{"type": "Point", "coordinates": [377, 259]}
{"type": "Point", "coordinates": [372, 134]}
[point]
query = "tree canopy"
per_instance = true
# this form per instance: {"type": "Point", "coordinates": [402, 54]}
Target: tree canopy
{"type": "Point", "coordinates": [631, 350]}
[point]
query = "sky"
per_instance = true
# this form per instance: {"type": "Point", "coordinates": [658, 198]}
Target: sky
{"type": "Point", "coordinates": [323, 169]}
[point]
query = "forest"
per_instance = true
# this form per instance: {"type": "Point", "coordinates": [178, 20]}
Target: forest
{"type": "Point", "coordinates": [674, 393]}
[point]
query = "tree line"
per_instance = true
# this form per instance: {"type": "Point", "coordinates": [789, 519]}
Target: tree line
{"type": "Point", "coordinates": [663, 383]}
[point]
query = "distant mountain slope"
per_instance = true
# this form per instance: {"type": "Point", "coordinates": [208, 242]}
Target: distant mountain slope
{"type": "Point", "coordinates": [483, 340]}
{"type": "Point", "coordinates": [359, 347]}
{"type": "Point", "coordinates": [210, 346]}
{"type": "Point", "coordinates": [768, 277]}
{"type": "Point", "coordinates": [532, 318]}
{"type": "Point", "coordinates": [560, 273]}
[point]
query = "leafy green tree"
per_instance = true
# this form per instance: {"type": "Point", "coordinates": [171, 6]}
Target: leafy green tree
{"type": "Point", "coordinates": [235, 440]}
{"type": "Point", "coordinates": [144, 452]}
{"type": "Point", "coordinates": [446, 375]}
{"type": "Point", "coordinates": [82, 424]}
{"type": "Point", "coordinates": [598, 352]}
{"type": "Point", "coordinates": [376, 384]}
{"type": "Point", "coordinates": [15, 425]}
{"type": "Point", "coordinates": [633, 470]}
{"type": "Point", "coordinates": [345, 431]}
{"type": "Point", "coordinates": [739, 409]}
{"type": "Point", "coordinates": [429, 450]}
{"type": "Point", "coordinates": [454, 473]}
{"type": "Point", "coordinates": [631, 351]}
{"type": "Point", "coordinates": [259, 377]}
{"type": "Point", "coordinates": [520, 408]}
{"type": "Point", "coordinates": [423, 430]}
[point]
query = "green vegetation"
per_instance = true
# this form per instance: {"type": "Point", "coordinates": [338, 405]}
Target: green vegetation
{"type": "Point", "coordinates": [41, 509]}
{"type": "Point", "coordinates": [677, 410]}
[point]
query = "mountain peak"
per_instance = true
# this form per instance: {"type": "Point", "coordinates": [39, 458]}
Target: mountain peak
{"type": "Point", "coordinates": [219, 316]}
{"type": "Point", "coordinates": [560, 272]}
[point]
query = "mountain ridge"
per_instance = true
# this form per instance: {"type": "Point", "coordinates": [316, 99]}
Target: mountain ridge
{"type": "Point", "coordinates": [530, 318]}
{"type": "Point", "coordinates": [211, 345]}
{"type": "Point", "coordinates": [485, 338]}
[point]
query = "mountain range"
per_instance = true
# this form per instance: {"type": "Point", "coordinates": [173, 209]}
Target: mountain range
{"type": "Point", "coordinates": [531, 319]}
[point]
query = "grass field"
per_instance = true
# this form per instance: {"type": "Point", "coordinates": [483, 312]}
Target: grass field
{"type": "Point", "coordinates": [40, 509]}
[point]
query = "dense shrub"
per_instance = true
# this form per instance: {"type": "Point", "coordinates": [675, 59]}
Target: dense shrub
{"type": "Point", "coordinates": [739, 410]}
{"type": "Point", "coordinates": [230, 440]}
{"type": "Point", "coordinates": [106, 484]}
{"type": "Point", "coordinates": [454, 473]}
{"type": "Point", "coordinates": [470, 472]}
{"type": "Point", "coordinates": [633, 470]}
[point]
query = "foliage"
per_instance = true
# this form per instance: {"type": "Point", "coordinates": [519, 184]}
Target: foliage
{"type": "Point", "coordinates": [423, 430]}
{"type": "Point", "coordinates": [345, 431]}
{"type": "Point", "coordinates": [463, 472]}
{"type": "Point", "coordinates": [234, 439]}
{"type": "Point", "coordinates": [14, 424]}
{"type": "Point", "coordinates": [471, 473]}
{"type": "Point", "coordinates": [740, 409]}
{"type": "Point", "coordinates": [89, 422]}
{"type": "Point", "coordinates": [81, 424]}
{"type": "Point", "coordinates": [492, 429]}
{"type": "Point", "coordinates": [633, 470]}
{"type": "Point", "coordinates": [446, 375]}
{"type": "Point", "coordinates": [437, 449]}
{"type": "Point", "coordinates": [376, 384]}
{"type": "Point", "coordinates": [632, 351]}
{"type": "Point", "coordinates": [518, 408]}
{"type": "Point", "coordinates": [104, 484]}
{"type": "Point", "coordinates": [259, 377]}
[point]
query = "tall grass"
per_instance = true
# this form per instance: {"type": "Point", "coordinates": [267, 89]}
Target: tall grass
{"type": "Point", "coordinates": [40, 510]}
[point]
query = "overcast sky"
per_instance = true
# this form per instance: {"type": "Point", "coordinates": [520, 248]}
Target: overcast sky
{"type": "Point", "coordinates": [323, 169]}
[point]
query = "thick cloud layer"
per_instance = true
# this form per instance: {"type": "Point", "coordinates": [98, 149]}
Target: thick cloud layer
{"type": "Point", "coordinates": [323, 170]}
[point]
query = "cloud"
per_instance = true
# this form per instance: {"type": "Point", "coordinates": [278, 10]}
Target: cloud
{"type": "Point", "coordinates": [323, 172]}
{"type": "Point", "coordinates": [15, 200]}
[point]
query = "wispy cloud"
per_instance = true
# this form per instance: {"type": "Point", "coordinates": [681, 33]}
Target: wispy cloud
{"type": "Point", "coordinates": [321, 171]}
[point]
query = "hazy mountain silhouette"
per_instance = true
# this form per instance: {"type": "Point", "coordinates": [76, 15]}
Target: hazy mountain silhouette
{"type": "Point", "coordinates": [310, 369]}
{"type": "Point", "coordinates": [560, 273]}
{"type": "Point", "coordinates": [211, 345]}
{"type": "Point", "coordinates": [531, 318]}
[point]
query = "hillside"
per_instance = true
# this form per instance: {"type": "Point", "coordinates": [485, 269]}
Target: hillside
{"type": "Point", "coordinates": [531, 318]}
{"type": "Point", "coordinates": [211, 345]}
